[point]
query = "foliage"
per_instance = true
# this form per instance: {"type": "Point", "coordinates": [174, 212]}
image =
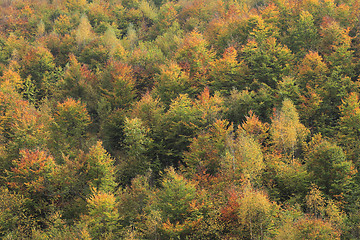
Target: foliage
{"type": "Point", "coordinates": [203, 119]}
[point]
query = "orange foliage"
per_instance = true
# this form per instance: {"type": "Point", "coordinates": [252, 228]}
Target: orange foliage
{"type": "Point", "coordinates": [255, 127]}
{"type": "Point", "coordinates": [32, 172]}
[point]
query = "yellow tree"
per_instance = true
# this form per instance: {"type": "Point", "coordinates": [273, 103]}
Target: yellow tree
{"type": "Point", "coordinates": [248, 157]}
{"type": "Point", "coordinates": [248, 214]}
{"type": "Point", "coordinates": [84, 32]}
{"type": "Point", "coordinates": [102, 217]}
{"type": "Point", "coordinates": [255, 128]}
{"type": "Point", "coordinates": [286, 131]}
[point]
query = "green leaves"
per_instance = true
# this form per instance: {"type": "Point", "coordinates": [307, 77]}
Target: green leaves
{"type": "Point", "coordinates": [329, 169]}
{"type": "Point", "coordinates": [267, 60]}
{"type": "Point", "coordinates": [179, 205]}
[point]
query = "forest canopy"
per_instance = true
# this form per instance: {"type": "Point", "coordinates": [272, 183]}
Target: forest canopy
{"type": "Point", "coordinates": [189, 119]}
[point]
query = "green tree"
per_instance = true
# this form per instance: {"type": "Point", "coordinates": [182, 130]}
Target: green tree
{"type": "Point", "coordinates": [38, 63]}
{"type": "Point", "coordinates": [14, 217]}
{"type": "Point", "coordinates": [79, 83]}
{"type": "Point", "coordinates": [335, 45]}
{"type": "Point", "coordinates": [71, 121]}
{"type": "Point", "coordinates": [136, 143]}
{"type": "Point", "coordinates": [100, 169]}
{"type": "Point", "coordinates": [329, 169]}
{"type": "Point", "coordinates": [349, 125]}
{"type": "Point", "coordinates": [180, 207]}
{"type": "Point", "coordinates": [207, 150]}
{"type": "Point", "coordinates": [149, 110]}
{"type": "Point", "coordinates": [171, 82]}
{"type": "Point", "coordinates": [268, 60]}
{"type": "Point", "coordinates": [118, 84]}
{"type": "Point", "coordinates": [178, 126]}
{"type": "Point", "coordinates": [227, 73]}
{"type": "Point", "coordinates": [303, 35]}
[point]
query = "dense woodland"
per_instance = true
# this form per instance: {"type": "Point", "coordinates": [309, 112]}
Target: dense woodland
{"type": "Point", "coordinates": [189, 119]}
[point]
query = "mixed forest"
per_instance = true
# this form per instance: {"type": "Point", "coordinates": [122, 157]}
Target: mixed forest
{"type": "Point", "coordinates": [188, 119]}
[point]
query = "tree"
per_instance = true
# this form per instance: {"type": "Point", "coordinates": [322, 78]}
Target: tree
{"type": "Point", "coordinates": [111, 41]}
{"type": "Point", "coordinates": [287, 178]}
{"type": "Point", "coordinates": [32, 175]}
{"type": "Point", "coordinates": [255, 128]}
{"type": "Point", "coordinates": [80, 83]}
{"type": "Point", "coordinates": [84, 32]}
{"type": "Point", "coordinates": [312, 79]}
{"type": "Point", "coordinates": [207, 150]}
{"type": "Point", "coordinates": [178, 126]}
{"type": "Point", "coordinates": [31, 172]}
{"type": "Point", "coordinates": [136, 158]}
{"type": "Point", "coordinates": [147, 59]}
{"type": "Point", "coordinates": [40, 29]}
{"type": "Point", "coordinates": [180, 207]}
{"type": "Point", "coordinates": [261, 102]}
{"type": "Point", "coordinates": [312, 228]}
{"type": "Point", "coordinates": [268, 60]}
{"type": "Point", "coordinates": [349, 126]}
{"type": "Point", "coordinates": [247, 159]}
{"type": "Point", "coordinates": [286, 130]}
{"type": "Point", "coordinates": [118, 84]}
{"type": "Point", "coordinates": [38, 63]}
{"type": "Point", "coordinates": [166, 17]}
{"type": "Point", "coordinates": [210, 107]}
{"type": "Point", "coordinates": [14, 218]}
{"type": "Point", "coordinates": [329, 169]}
{"type": "Point", "coordinates": [248, 214]}
{"type": "Point", "coordinates": [303, 35]}
{"type": "Point", "coordinates": [335, 45]}
{"type": "Point", "coordinates": [194, 56]}
{"type": "Point", "coordinates": [100, 169]}
{"type": "Point", "coordinates": [171, 82]}
{"type": "Point", "coordinates": [312, 71]}
{"type": "Point", "coordinates": [95, 54]}
{"type": "Point", "coordinates": [61, 47]}
{"type": "Point", "coordinates": [134, 200]}
{"type": "Point", "coordinates": [102, 218]}
{"type": "Point", "coordinates": [308, 228]}
{"type": "Point", "coordinates": [69, 129]}
{"type": "Point", "coordinates": [149, 110]}
{"type": "Point", "coordinates": [227, 73]}
{"type": "Point", "coordinates": [169, 41]}
{"type": "Point", "coordinates": [79, 176]}
{"type": "Point", "coordinates": [62, 25]}
{"type": "Point", "coordinates": [22, 126]}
